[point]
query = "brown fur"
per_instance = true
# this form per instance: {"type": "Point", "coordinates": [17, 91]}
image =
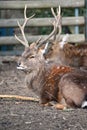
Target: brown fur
{"type": "Point", "coordinates": [71, 55]}
{"type": "Point", "coordinates": [62, 84]}
{"type": "Point", "coordinates": [73, 88]}
{"type": "Point", "coordinates": [49, 90]}
{"type": "Point", "coordinates": [55, 81]}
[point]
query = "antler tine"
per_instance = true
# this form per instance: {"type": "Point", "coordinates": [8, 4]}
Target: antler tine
{"type": "Point", "coordinates": [59, 10]}
{"type": "Point", "coordinates": [26, 19]}
{"type": "Point", "coordinates": [25, 10]}
{"type": "Point", "coordinates": [56, 24]}
{"type": "Point", "coordinates": [59, 21]}
{"type": "Point", "coordinates": [24, 41]}
{"type": "Point", "coordinates": [52, 10]}
{"type": "Point", "coordinates": [38, 40]}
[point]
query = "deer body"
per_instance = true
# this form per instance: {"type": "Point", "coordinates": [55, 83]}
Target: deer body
{"type": "Point", "coordinates": [71, 55]}
{"type": "Point", "coordinates": [55, 82]}
{"type": "Point", "coordinates": [73, 88]}
{"type": "Point", "coordinates": [58, 56]}
{"type": "Point", "coordinates": [77, 53]}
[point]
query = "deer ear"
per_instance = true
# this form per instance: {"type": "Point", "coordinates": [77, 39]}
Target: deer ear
{"type": "Point", "coordinates": [44, 51]}
{"type": "Point", "coordinates": [64, 41]}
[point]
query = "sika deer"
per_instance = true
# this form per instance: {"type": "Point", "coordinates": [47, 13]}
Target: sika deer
{"type": "Point", "coordinates": [65, 85]}
{"type": "Point", "coordinates": [64, 53]}
{"type": "Point", "coordinates": [68, 54]}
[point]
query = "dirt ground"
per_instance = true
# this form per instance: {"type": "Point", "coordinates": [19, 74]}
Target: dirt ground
{"type": "Point", "coordinates": [28, 115]}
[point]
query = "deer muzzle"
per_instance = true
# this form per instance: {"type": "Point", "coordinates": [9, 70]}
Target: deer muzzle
{"type": "Point", "coordinates": [21, 67]}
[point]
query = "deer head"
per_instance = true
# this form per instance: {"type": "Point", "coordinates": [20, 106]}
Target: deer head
{"type": "Point", "coordinates": [34, 50]}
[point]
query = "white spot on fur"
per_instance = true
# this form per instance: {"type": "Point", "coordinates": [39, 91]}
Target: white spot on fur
{"type": "Point", "coordinates": [84, 104]}
{"type": "Point", "coordinates": [64, 41]}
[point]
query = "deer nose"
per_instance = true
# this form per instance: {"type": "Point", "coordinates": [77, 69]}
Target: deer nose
{"type": "Point", "coordinates": [18, 64]}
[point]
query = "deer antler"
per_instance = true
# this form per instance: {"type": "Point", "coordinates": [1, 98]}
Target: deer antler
{"type": "Point", "coordinates": [56, 24]}
{"type": "Point", "coordinates": [24, 41]}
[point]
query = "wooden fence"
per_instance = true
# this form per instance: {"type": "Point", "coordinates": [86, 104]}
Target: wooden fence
{"type": "Point", "coordinates": [66, 21]}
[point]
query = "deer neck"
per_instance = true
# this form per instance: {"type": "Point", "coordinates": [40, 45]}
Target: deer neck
{"type": "Point", "coordinates": [35, 79]}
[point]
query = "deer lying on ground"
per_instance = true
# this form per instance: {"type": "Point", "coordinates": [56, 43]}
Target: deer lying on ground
{"type": "Point", "coordinates": [63, 84]}
{"type": "Point", "coordinates": [68, 54]}
{"type": "Point", "coordinates": [64, 53]}
{"type": "Point", "coordinates": [56, 83]}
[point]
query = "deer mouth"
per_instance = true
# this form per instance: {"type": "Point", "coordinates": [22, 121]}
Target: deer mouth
{"type": "Point", "coordinates": [21, 67]}
{"type": "Point", "coordinates": [24, 68]}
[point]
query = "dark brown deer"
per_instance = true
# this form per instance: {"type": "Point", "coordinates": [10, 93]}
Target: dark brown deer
{"type": "Point", "coordinates": [68, 54]}
{"type": "Point", "coordinates": [64, 53]}
{"type": "Point", "coordinates": [65, 85]}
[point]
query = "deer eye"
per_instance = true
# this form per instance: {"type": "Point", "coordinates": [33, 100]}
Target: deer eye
{"type": "Point", "coordinates": [32, 56]}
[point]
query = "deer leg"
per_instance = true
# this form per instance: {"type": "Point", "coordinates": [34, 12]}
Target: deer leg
{"type": "Point", "coordinates": [60, 106]}
{"type": "Point", "coordinates": [65, 104]}
{"type": "Point", "coordinates": [70, 103]}
{"type": "Point", "coordinates": [61, 103]}
{"type": "Point", "coordinates": [46, 104]}
{"type": "Point", "coordinates": [55, 105]}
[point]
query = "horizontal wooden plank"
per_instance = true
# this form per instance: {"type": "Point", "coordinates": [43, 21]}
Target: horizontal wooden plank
{"type": "Point", "coordinates": [42, 21]}
{"type": "Point", "coordinates": [76, 38]}
{"type": "Point", "coordinates": [41, 4]}
{"type": "Point", "coordinates": [73, 20]}
{"type": "Point", "coordinates": [8, 56]}
{"type": "Point", "coordinates": [10, 53]}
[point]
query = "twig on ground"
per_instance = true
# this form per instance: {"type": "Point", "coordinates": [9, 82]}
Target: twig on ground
{"type": "Point", "coordinates": [17, 97]}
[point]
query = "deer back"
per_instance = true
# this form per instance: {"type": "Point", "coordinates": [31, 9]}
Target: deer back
{"type": "Point", "coordinates": [71, 55]}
